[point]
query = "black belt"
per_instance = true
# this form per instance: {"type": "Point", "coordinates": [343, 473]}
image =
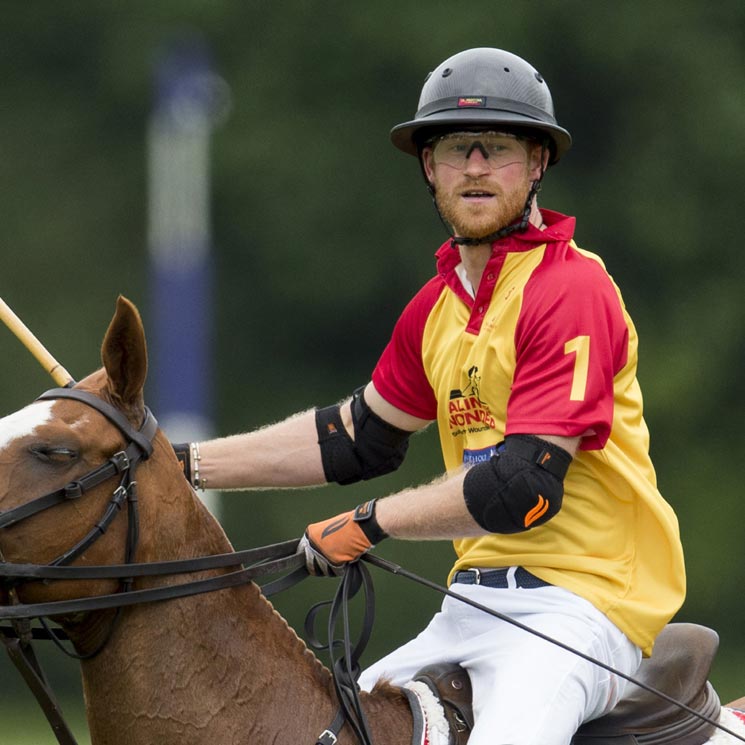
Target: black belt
{"type": "Point", "coordinates": [498, 578]}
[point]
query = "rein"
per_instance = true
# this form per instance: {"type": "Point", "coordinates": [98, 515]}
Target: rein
{"type": "Point", "coordinates": [283, 555]}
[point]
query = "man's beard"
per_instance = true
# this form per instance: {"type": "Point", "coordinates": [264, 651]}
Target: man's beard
{"type": "Point", "coordinates": [480, 222]}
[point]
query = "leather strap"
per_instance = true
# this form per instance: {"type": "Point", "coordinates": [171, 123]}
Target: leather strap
{"type": "Point", "coordinates": [149, 569]}
{"type": "Point", "coordinates": [24, 659]}
{"type": "Point", "coordinates": [345, 667]}
{"type": "Point", "coordinates": [154, 594]}
{"type": "Point", "coordinates": [544, 454]}
{"type": "Point", "coordinates": [142, 438]}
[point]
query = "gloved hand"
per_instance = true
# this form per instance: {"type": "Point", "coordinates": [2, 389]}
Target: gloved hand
{"type": "Point", "coordinates": [332, 543]}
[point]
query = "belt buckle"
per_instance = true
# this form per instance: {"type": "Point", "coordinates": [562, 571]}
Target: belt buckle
{"type": "Point", "coordinates": [476, 574]}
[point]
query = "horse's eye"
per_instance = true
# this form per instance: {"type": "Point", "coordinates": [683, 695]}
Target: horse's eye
{"type": "Point", "coordinates": [49, 454]}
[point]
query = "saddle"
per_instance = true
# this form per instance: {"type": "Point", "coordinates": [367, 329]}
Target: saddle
{"type": "Point", "coordinates": [679, 667]}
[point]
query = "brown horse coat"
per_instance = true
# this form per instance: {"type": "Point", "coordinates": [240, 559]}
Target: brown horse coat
{"type": "Point", "coordinates": [216, 669]}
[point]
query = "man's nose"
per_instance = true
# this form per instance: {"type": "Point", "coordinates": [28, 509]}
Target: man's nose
{"type": "Point", "coordinates": [477, 159]}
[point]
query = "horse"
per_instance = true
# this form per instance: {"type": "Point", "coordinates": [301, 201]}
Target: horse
{"type": "Point", "coordinates": [222, 667]}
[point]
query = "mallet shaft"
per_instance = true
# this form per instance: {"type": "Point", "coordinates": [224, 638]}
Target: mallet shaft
{"type": "Point", "coordinates": [19, 328]}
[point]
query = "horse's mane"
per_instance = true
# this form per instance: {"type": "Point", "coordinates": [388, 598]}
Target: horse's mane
{"type": "Point", "coordinates": [294, 645]}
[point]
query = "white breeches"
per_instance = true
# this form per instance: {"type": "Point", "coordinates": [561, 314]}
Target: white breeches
{"type": "Point", "coordinates": [526, 691]}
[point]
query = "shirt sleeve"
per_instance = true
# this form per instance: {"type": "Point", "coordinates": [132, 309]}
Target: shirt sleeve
{"type": "Point", "coordinates": [399, 375]}
{"type": "Point", "coordinates": [571, 340]}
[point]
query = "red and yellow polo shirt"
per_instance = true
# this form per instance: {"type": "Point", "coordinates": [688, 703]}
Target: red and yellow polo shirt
{"type": "Point", "coordinates": [547, 347]}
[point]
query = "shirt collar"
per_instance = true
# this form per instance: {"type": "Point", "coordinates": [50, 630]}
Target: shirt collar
{"type": "Point", "coordinates": [558, 228]}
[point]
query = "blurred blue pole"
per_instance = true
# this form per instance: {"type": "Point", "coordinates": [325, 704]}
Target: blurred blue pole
{"type": "Point", "coordinates": [189, 100]}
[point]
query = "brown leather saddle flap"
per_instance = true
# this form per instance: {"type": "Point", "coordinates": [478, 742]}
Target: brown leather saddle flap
{"type": "Point", "coordinates": [679, 667]}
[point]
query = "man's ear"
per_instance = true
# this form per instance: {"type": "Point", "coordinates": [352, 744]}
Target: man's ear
{"type": "Point", "coordinates": [428, 164]}
{"type": "Point", "coordinates": [538, 157]}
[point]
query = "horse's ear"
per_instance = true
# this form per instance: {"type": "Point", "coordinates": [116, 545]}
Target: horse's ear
{"type": "Point", "coordinates": [124, 355]}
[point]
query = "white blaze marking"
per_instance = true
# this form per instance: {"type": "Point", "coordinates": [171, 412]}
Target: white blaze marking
{"type": "Point", "coordinates": [24, 421]}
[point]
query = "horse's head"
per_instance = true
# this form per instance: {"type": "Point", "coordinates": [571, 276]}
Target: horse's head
{"type": "Point", "coordinates": [59, 441]}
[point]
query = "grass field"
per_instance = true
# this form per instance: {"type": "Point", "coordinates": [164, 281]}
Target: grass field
{"type": "Point", "coordinates": [27, 725]}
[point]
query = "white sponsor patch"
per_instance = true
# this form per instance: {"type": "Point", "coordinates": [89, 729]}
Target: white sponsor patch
{"type": "Point", "coordinates": [24, 421]}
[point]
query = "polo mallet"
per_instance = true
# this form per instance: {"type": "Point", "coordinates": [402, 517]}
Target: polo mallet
{"type": "Point", "coordinates": [60, 376]}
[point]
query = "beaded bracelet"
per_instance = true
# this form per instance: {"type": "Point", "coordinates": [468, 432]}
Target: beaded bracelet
{"type": "Point", "coordinates": [196, 481]}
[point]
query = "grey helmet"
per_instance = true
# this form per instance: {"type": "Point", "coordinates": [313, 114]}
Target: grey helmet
{"type": "Point", "coordinates": [483, 87]}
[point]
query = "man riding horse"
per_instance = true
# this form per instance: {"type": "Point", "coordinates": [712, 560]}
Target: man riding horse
{"type": "Point", "coordinates": [522, 351]}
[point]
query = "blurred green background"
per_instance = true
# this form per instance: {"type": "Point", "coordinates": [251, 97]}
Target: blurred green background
{"type": "Point", "coordinates": [322, 231]}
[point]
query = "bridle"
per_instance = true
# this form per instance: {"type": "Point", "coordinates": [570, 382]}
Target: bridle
{"type": "Point", "coordinates": [122, 465]}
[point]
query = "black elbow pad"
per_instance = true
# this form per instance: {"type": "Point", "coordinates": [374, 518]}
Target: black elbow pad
{"type": "Point", "coordinates": [519, 488]}
{"type": "Point", "coordinates": [378, 447]}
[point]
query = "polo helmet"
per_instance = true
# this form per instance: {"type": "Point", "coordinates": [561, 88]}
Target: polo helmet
{"type": "Point", "coordinates": [484, 87]}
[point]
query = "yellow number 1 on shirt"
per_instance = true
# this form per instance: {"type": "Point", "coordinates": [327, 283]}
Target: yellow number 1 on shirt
{"type": "Point", "coordinates": [580, 347]}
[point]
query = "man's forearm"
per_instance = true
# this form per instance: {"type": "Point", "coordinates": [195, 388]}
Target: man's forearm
{"type": "Point", "coordinates": [285, 454]}
{"type": "Point", "coordinates": [430, 512]}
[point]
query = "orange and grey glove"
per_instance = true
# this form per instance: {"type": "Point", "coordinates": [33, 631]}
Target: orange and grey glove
{"type": "Point", "coordinates": [331, 544]}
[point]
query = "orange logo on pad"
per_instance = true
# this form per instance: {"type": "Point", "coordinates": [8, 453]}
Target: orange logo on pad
{"type": "Point", "coordinates": [537, 512]}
